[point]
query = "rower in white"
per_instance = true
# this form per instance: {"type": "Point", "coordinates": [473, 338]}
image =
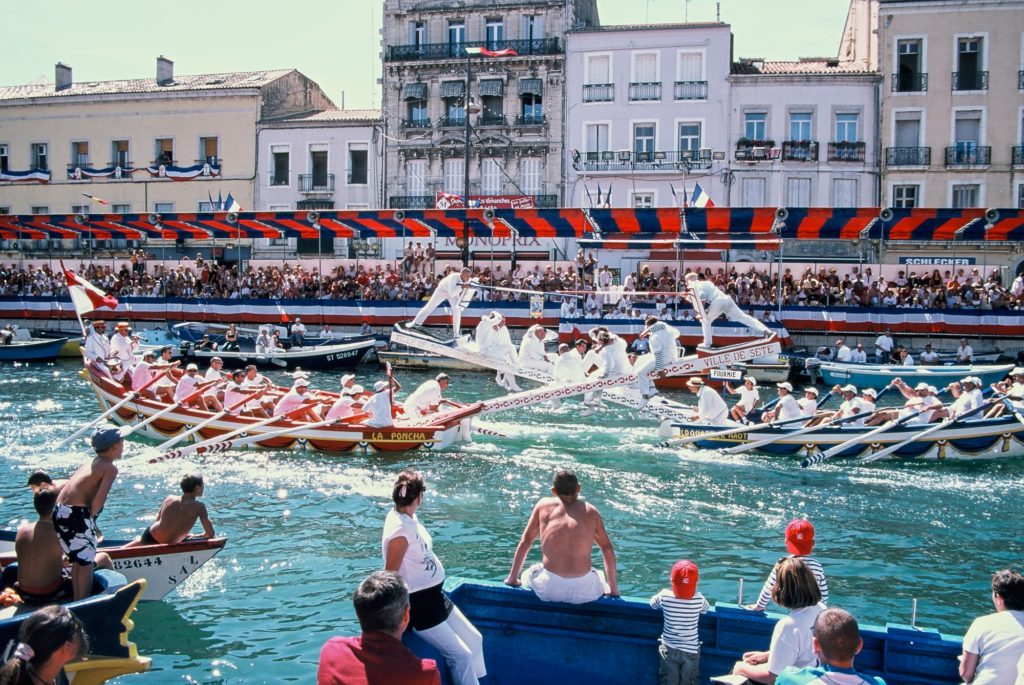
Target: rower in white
{"type": "Point", "coordinates": [711, 408]}
{"type": "Point", "coordinates": [809, 403]}
{"type": "Point", "coordinates": [786, 408]}
{"type": "Point", "coordinates": [426, 399]}
{"type": "Point", "coordinates": [715, 304]}
{"type": "Point", "coordinates": [379, 407]}
{"type": "Point", "coordinates": [749, 399]}
{"type": "Point", "coordinates": [456, 289]}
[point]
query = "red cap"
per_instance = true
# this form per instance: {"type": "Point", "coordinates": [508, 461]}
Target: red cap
{"type": "Point", "coordinates": [684, 579]}
{"type": "Point", "coordinates": [800, 537]}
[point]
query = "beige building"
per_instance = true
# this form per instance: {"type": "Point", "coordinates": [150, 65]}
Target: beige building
{"type": "Point", "coordinates": [515, 128]}
{"type": "Point", "coordinates": [162, 144]}
{"type": "Point", "coordinates": [952, 116]}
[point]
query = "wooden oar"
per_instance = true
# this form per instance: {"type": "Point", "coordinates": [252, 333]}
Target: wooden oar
{"type": "Point", "coordinates": [99, 419]}
{"type": "Point", "coordinates": [881, 454]}
{"type": "Point", "coordinates": [728, 431]}
{"type": "Point", "coordinates": [786, 434]}
{"type": "Point", "coordinates": [200, 389]}
{"type": "Point", "coordinates": [836, 449]}
{"type": "Point", "coordinates": [199, 426]}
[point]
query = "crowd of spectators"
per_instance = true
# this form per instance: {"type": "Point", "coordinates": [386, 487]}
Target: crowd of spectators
{"type": "Point", "coordinates": [413, 279]}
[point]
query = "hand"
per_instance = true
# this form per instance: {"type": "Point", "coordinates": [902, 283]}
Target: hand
{"type": "Point", "coordinates": [754, 658]}
{"type": "Point", "coordinates": [511, 581]}
{"type": "Point", "coordinates": [752, 607]}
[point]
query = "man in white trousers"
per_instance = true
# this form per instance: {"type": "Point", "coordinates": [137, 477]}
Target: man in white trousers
{"type": "Point", "coordinates": [456, 290]}
{"type": "Point", "coordinates": [664, 351]}
{"type": "Point", "coordinates": [715, 304]}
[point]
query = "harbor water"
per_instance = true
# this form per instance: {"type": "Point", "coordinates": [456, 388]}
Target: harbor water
{"type": "Point", "coordinates": [304, 527]}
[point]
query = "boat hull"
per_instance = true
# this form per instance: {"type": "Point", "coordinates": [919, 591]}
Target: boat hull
{"type": "Point", "coordinates": [36, 350]}
{"type": "Point", "coordinates": [878, 376]}
{"type": "Point", "coordinates": [766, 374]}
{"type": "Point", "coordinates": [345, 355]}
{"type": "Point", "coordinates": [425, 361]}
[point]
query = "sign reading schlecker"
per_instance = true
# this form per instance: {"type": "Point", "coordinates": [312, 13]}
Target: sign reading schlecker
{"type": "Point", "coordinates": [938, 261]}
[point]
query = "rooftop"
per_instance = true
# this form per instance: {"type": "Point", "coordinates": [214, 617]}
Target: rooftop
{"type": "Point", "coordinates": [652, 27]}
{"type": "Point", "coordinates": [805, 65]}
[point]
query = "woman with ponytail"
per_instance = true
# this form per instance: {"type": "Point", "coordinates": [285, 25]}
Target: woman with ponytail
{"type": "Point", "coordinates": [49, 638]}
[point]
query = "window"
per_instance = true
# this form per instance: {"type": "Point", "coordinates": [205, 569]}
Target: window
{"type": "Point", "coordinates": [965, 196]}
{"type": "Point", "coordinates": [969, 74]}
{"type": "Point", "coordinates": [163, 207]}
{"type": "Point", "coordinates": [597, 138]}
{"type": "Point", "coordinates": [208, 207]}
{"type": "Point", "coordinates": [645, 67]}
{"type": "Point", "coordinates": [798, 192]}
{"type": "Point", "coordinates": [752, 192]}
{"type": "Point", "coordinates": [847, 126]}
{"type": "Point", "coordinates": [40, 209]}
{"type": "Point", "coordinates": [494, 33]}
{"type": "Point", "coordinates": [5, 157]}
{"type": "Point", "coordinates": [533, 109]}
{"type": "Point", "coordinates": [691, 83]}
{"type": "Point", "coordinates": [417, 33]}
{"type": "Point", "coordinates": [533, 27]}
{"type": "Point", "coordinates": [755, 125]}
{"type": "Point", "coordinates": [909, 77]}
{"type": "Point", "coordinates": [599, 69]}
{"type": "Point", "coordinates": [418, 113]}
{"type": "Point", "coordinates": [1020, 197]}
{"type": "Point", "coordinates": [454, 175]}
{"type": "Point", "coordinates": [416, 176]}
{"type": "Point", "coordinates": [967, 130]}
{"type": "Point", "coordinates": [164, 151]}
{"type": "Point", "coordinates": [119, 154]}
{"type": "Point", "coordinates": [280, 160]}
{"type": "Point", "coordinates": [905, 197]}
{"type": "Point", "coordinates": [492, 108]}
{"type": "Point", "coordinates": [643, 142]}
{"type": "Point", "coordinates": [357, 162]}
{"type": "Point", "coordinates": [318, 166]}
{"type": "Point", "coordinates": [80, 154]}
{"type": "Point", "coordinates": [79, 209]}
{"type": "Point", "coordinates": [908, 129]}
{"type": "Point", "coordinates": [844, 192]}
{"type": "Point", "coordinates": [39, 156]}
{"type": "Point", "coordinates": [800, 127]}
{"type": "Point", "coordinates": [689, 138]}
{"type": "Point", "coordinates": [456, 34]}
{"type": "Point", "coordinates": [208, 151]}
{"type": "Point", "coordinates": [531, 175]}
{"type": "Point", "coordinates": [121, 209]}
{"type": "Point", "coordinates": [643, 200]}
{"type": "Point", "coordinates": [490, 176]}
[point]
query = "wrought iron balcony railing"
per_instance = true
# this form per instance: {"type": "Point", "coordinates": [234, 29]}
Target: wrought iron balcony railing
{"type": "Point", "coordinates": [970, 80]}
{"type": "Point", "coordinates": [969, 155]}
{"type": "Point", "coordinates": [316, 183]}
{"type": "Point", "coordinates": [691, 90]}
{"type": "Point", "coordinates": [846, 151]}
{"type": "Point", "coordinates": [909, 83]}
{"type": "Point", "coordinates": [491, 120]}
{"type": "Point", "coordinates": [532, 120]}
{"type": "Point", "coordinates": [598, 92]}
{"type": "Point", "coordinates": [428, 201]}
{"type": "Point", "coordinates": [800, 150]}
{"type": "Point", "coordinates": [908, 156]}
{"type": "Point", "coordinates": [452, 121]}
{"type": "Point", "coordinates": [441, 51]}
{"type": "Point", "coordinates": [672, 161]}
{"type": "Point", "coordinates": [419, 122]}
{"type": "Point", "coordinates": [644, 91]}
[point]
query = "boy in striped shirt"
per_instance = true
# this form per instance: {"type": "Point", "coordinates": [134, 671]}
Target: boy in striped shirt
{"type": "Point", "coordinates": [681, 607]}
{"type": "Point", "coordinates": [800, 543]}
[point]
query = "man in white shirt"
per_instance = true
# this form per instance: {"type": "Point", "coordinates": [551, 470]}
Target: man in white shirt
{"type": "Point", "coordinates": [568, 308]}
{"type": "Point", "coordinates": [883, 347]}
{"type": "Point", "coordinates": [426, 399]}
{"type": "Point", "coordinates": [717, 303]}
{"type": "Point", "coordinates": [866, 405]}
{"type": "Point", "coordinates": [843, 352]}
{"type": "Point", "coordinates": [379, 406]}
{"type": "Point", "coordinates": [214, 373]}
{"type": "Point", "coordinates": [858, 355]}
{"type": "Point", "coordinates": [142, 373]}
{"type": "Point", "coordinates": [664, 350]}
{"type": "Point", "coordinates": [749, 399]}
{"type": "Point", "coordinates": [967, 397]}
{"type": "Point", "coordinates": [122, 346]}
{"type": "Point", "coordinates": [850, 406]}
{"type": "Point", "coordinates": [711, 408]}
{"type": "Point", "coordinates": [494, 342]}
{"type": "Point", "coordinates": [786, 408]}
{"type": "Point", "coordinates": [964, 353]}
{"type": "Point", "coordinates": [187, 385]}
{"type": "Point", "coordinates": [809, 403]}
{"type": "Point", "coordinates": [298, 332]}
{"type": "Point", "coordinates": [455, 289]}
{"type": "Point", "coordinates": [295, 399]}
{"type": "Point", "coordinates": [531, 349]}
{"type": "Point", "coordinates": [97, 347]}
{"type": "Point", "coordinates": [928, 356]}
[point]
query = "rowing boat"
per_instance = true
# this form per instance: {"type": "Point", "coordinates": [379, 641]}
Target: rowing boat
{"type": "Point", "coordinates": [880, 375]}
{"type": "Point", "coordinates": [33, 350]}
{"type": "Point", "coordinates": [331, 356]}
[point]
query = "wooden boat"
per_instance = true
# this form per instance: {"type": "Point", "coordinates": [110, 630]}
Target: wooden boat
{"type": "Point", "coordinates": [996, 438]}
{"type": "Point", "coordinates": [766, 374]}
{"type": "Point", "coordinates": [163, 567]}
{"type": "Point", "coordinates": [107, 618]}
{"type": "Point", "coordinates": [414, 359]}
{"type": "Point", "coordinates": [878, 375]}
{"type": "Point", "coordinates": [33, 350]}
{"type": "Point", "coordinates": [614, 641]}
{"type": "Point", "coordinates": [333, 356]}
{"type": "Point", "coordinates": [194, 332]}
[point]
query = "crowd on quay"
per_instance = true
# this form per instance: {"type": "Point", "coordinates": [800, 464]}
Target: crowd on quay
{"type": "Point", "coordinates": [409, 279]}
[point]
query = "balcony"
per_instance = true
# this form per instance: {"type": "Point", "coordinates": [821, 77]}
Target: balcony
{"type": "Point", "coordinates": [532, 120]}
{"type": "Point", "coordinates": [81, 164]}
{"type": "Point", "coordinates": [428, 201]}
{"type": "Point", "coordinates": [418, 122]}
{"type": "Point", "coordinates": [909, 83]}
{"type": "Point", "coordinates": [598, 92]}
{"type": "Point", "coordinates": [491, 120]}
{"type": "Point", "coordinates": [1017, 155]}
{"type": "Point", "coordinates": [970, 155]}
{"type": "Point", "coordinates": [444, 51]}
{"type": "Point", "coordinates": [644, 91]}
{"type": "Point", "coordinates": [452, 121]}
{"type": "Point", "coordinates": [672, 161]}
{"type": "Point", "coordinates": [908, 156]}
{"type": "Point", "coordinates": [212, 161]}
{"type": "Point", "coordinates": [753, 150]}
{"type": "Point", "coordinates": [691, 90]}
{"type": "Point", "coordinates": [970, 80]}
{"type": "Point", "coordinates": [316, 183]}
{"type": "Point", "coordinates": [846, 151]}
{"type": "Point", "coordinates": [800, 150]}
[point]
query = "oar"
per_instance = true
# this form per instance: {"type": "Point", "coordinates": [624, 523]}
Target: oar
{"type": "Point", "coordinates": [218, 445]}
{"type": "Point", "coordinates": [836, 449]}
{"type": "Point", "coordinates": [200, 389]}
{"type": "Point", "coordinates": [99, 419]}
{"type": "Point", "coordinates": [189, 449]}
{"type": "Point", "coordinates": [198, 427]}
{"type": "Point", "coordinates": [1016, 412]}
{"type": "Point", "coordinates": [728, 431]}
{"type": "Point", "coordinates": [881, 454]}
{"type": "Point", "coordinates": [790, 434]}
{"type": "Point", "coordinates": [488, 431]}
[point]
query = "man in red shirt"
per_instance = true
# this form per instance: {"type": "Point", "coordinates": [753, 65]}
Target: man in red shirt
{"type": "Point", "coordinates": [378, 656]}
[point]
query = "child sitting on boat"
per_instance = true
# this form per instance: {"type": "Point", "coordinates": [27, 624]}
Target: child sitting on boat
{"type": "Point", "coordinates": [681, 607]}
{"type": "Point", "coordinates": [800, 543]}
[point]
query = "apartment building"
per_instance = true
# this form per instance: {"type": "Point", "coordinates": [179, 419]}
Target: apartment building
{"type": "Point", "coordinates": [952, 116]}
{"type": "Point", "coordinates": [647, 110]}
{"type": "Point", "coordinates": [514, 115]}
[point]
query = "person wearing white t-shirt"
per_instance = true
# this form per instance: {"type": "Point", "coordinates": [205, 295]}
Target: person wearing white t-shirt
{"type": "Point", "coordinates": [994, 644]}
{"type": "Point", "coordinates": [664, 350]}
{"type": "Point", "coordinates": [786, 408]}
{"type": "Point", "coordinates": [379, 406]}
{"type": "Point", "coordinates": [883, 347]}
{"type": "Point", "coordinates": [964, 353]}
{"type": "Point", "coordinates": [749, 398]}
{"type": "Point", "coordinates": [928, 356]}
{"type": "Point", "coordinates": [711, 408]}
{"type": "Point", "coordinates": [809, 402]}
{"type": "Point", "coordinates": [843, 352]}
{"type": "Point", "coordinates": [455, 289]}
{"type": "Point", "coordinates": [858, 355]}
{"type": "Point", "coordinates": [426, 399]}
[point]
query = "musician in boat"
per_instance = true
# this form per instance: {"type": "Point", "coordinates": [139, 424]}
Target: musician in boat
{"type": "Point", "coordinates": [116, 371]}
{"type": "Point", "coordinates": [295, 399]}
{"type": "Point", "coordinates": [787, 407]}
{"type": "Point", "coordinates": [715, 304]}
{"type": "Point", "coordinates": [711, 408]}
{"type": "Point", "coordinates": [123, 346]}
{"type": "Point", "coordinates": [97, 347]}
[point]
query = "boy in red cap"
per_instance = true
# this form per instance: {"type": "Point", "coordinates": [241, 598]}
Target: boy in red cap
{"type": "Point", "coordinates": [681, 607]}
{"type": "Point", "coordinates": [800, 543]}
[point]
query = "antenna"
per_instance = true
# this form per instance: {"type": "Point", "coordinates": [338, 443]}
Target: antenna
{"type": "Point", "coordinates": [686, 11]}
{"type": "Point", "coordinates": [718, 12]}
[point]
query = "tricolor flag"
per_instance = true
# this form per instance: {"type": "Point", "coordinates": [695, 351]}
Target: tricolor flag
{"type": "Point", "coordinates": [95, 199]}
{"type": "Point", "coordinates": [85, 296]}
{"type": "Point", "coordinates": [700, 198]}
{"type": "Point", "coordinates": [231, 205]}
{"type": "Point", "coordinates": [507, 52]}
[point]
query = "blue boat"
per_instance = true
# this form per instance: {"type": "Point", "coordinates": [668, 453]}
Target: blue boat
{"type": "Point", "coordinates": [32, 350]}
{"type": "Point", "coordinates": [878, 376]}
{"type": "Point", "coordinates": [615, 641]}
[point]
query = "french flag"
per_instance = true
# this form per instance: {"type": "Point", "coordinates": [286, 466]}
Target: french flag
{"type": "Point", "coordinates": [700, 198]}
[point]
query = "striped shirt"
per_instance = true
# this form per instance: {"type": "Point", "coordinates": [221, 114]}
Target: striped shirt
{"type": "Point", "coordinates": [816, 569]}
{"type": "Point", "coordinates": [681, 615]}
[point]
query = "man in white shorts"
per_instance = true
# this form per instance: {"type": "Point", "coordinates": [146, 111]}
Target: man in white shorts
{"type": "Point", "coordinates": [568, 529]}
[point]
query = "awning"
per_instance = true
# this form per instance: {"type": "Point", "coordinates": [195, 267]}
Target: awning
{"type": "Point", "coordinates": [452, 89]}
{"type": "Point", "coordinates": [531, 86]}
{"type": "Point", "coordinates": [492, 87]}
{"type": "Point", "coordinates": [414, 91]}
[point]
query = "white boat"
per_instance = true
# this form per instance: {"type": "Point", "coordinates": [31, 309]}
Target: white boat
{"type": "Point", "coordinates": [880, 375]}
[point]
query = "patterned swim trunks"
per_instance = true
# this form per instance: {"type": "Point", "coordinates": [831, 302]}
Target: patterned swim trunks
{"type": "Point", "coordinates": [77, 533]}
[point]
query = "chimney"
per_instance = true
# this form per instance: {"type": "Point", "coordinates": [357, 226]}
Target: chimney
{"type": "Point", "coordinates": [164, 71]}
{"type": "Point", "coordinates": [62, 78]}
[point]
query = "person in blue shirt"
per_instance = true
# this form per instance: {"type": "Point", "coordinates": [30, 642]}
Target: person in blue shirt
{"type": "Point", "coordinates": [836, 642]}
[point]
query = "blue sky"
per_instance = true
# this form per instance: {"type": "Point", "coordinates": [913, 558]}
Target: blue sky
{"type": "Point", "coordinates": [334, 42]}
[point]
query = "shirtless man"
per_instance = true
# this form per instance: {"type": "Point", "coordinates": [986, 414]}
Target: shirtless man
{"type": "Point", "coordinates": [568, 529]}
{"type": "Point", "coordinates": [79, 504]}
{"type": "Point", "coordinates": [177, 516]}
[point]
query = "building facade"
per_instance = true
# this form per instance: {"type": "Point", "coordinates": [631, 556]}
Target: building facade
{"type": "Point", "coordinates": [514, 118]}
{"type": "Point", "coordinates": [646, 110]}
{"type": "Point", "coordinates": [133, 143]}
{"type": "Point", "coordinates": [952, 116]}
{"type": "Point", "coordinates": [803, 134]}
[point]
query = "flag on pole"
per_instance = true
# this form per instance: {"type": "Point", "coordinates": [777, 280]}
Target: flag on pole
{"type": "Point", "coordinates": [507, 52]}
{"type": "Point", "coordinates": [85, 296]}
{"type": "Point", "coordinates": [700, 198]}
{"type": "Point", "coordinates": [282, 313]}
{"type": "Point", "coordinates": [95, 199]}
{"type": "Point", "coordinates": [231, 205]}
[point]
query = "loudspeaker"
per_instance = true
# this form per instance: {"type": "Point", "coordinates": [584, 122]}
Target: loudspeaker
{"type": "Point", "coordinates": [154, 218]}
{"type": "Point", "coordinates": [885, 214]}
{"type": "Point", "coordinates": [399, 216]}
{"type": "Point", "coordinates": [81, 219]}
{"type": "Point", "coordinates": [231, 218]}
{"type": "Point", "coordinates": [313, 217]}
{"type": "Point", "coordinates": [488, 215]}
{"type": "Point", "coordinates": [992, 215]}
{"type": "Point", "coordinates": [781, 213]}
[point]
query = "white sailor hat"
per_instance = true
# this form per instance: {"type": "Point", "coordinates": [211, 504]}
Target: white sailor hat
{"type": "Point", "coordinates": [379, 385]}
{"type": "Point", "coordinates": [811, 389]}
{"type": "Point", "coordinates": [191, 367]}
{"type": "Point", "coordinates": [933, 390]}
{"type": "Point", "coordinates": [347, 377]}
{"type": "Point", "coordinates": [849, 388]}
{"type": "Point", "coordinates": [695, 382]}
{"type": "Point", "coordinates": [1019, 371]}
{"type": "Point", "coordinates": [871, 392]}
{"type": "Point", "coordinates": [786, 385]}
{"type": "Point", "coordinates": [301, 382]}
{"type": "Point", "coordinates": [972, 380]}
{"type": "Point", "coordinates": [751, 379]}
{"type": "Point", "coordinates": [921, 386]}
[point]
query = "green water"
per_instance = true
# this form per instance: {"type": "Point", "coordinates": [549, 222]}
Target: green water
{"type": "Point", "coordinates": [304, 528]}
